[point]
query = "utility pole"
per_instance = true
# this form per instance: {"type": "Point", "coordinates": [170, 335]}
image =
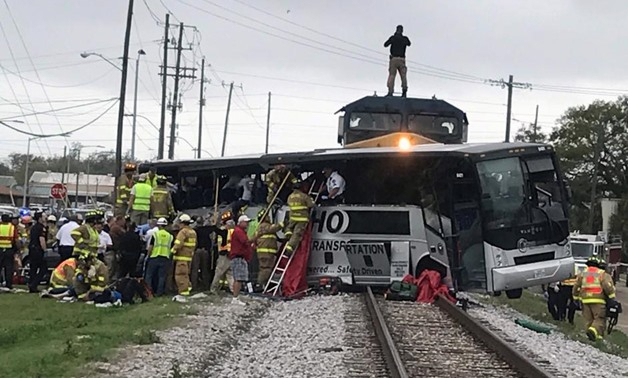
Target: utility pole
{"type": "Point", "coordinates": [510, 84]}
{"type": "Point", "coordinates": [65, 156]}
{"type": "Point", "coordinates": [164, 84]}
{"type": "Point", "coordinates": [200, 110]}
{"type": "Point", "coordinates": [597, 151]}
{"type": "Point", "coordinates": [179, 73]}
{"type": "Point", "coordinates": [224, 136]}
{"type": "Point", "coordinates": [536, 119]}
{"type": "Point", "coordinates": [125, 66]}
{"type": "Point", "coordinates": [267, 124]}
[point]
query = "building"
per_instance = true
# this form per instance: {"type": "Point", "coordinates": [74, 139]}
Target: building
{"type": "Point", "coordinates": [91, 188]}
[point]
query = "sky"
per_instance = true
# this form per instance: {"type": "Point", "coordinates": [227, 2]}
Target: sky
{"type": "Point", "coordinates": [314, 57]}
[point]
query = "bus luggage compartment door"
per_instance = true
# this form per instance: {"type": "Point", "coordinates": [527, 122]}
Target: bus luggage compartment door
{"type": "Point", "coordinates": [370, 262]}
{"type": "Point", "coordinates": [399, 260]}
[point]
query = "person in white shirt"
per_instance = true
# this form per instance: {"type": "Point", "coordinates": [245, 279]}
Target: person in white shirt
{"type": "Point", "coordinates": [152, 228]}
{"type": "Point", "coordinates": [105, 243]}
{"type": "Point", "coordinates": [334, 186]}
{"type": "Point", "coordinates": [66, 242]}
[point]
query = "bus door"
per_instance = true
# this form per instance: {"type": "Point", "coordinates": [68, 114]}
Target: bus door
{"type": "Point", "coordinates": [466, 245]}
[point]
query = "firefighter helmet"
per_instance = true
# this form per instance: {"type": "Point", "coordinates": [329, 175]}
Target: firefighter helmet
{"type": "Point", "coordinates": [129, 167]}
{"type": "Point", "coordinates": [162, 222]}
{"type": "Point", "coordinates": [184, 218]}
{"type": "Point", "coordinates": [593, 261]}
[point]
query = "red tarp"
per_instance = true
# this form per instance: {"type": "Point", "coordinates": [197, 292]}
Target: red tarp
{"type": "Point", "coordinates": [430, 286]}
{"type": "Point", "coordinates": [294, 282]}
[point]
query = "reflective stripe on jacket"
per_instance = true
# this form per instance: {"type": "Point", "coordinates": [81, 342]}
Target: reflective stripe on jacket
{"type": "Point", "coordinates": [86, 240]}
{"type": "Point", "coordinates": [593, 286]}
{"type": "Point", "coordinates": [162, 204]}
{"type": "Point", "coordinates": [64, 273]}
{"type": "Point", "coordinates": [124, 189]}
{"type": "Point", "coordinates": [266, 237]}
{"type": "Point", "coordinates": [163, 242]}
{"type": "Point", "coordinates": [7, 235]}
{"type": "Point", "coordinates": [185, 244]}
{"type": "Point", "coordinates": [299, 203]}
{"type": "Point", "coordinates": [142, 196]}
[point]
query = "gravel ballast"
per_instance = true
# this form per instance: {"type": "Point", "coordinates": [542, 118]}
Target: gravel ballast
{"type": "Point", "coordinates": [568, 357]}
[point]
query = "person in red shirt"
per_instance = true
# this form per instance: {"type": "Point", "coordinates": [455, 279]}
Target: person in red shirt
{"type": "Point", "coordinates": [240, 255]}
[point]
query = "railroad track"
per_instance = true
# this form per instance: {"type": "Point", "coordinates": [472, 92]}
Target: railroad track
{"type": "Point", "coordinates": [441, 340]}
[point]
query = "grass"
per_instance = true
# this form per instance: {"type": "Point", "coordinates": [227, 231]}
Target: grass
{"type": "Point", "coordinates": [535, 307]}
{"type": "Point", "coordinates": [44, 338]}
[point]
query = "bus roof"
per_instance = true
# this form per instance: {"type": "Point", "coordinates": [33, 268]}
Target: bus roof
{"type": "Point", "coordinates": [476, 151]}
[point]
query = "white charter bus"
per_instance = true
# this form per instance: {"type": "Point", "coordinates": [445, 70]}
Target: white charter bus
{"type": "Point", "coordinates": [489, 217]}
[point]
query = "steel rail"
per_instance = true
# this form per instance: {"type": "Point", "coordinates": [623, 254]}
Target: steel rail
{"type": "Point", "coordinates": [518, 361]}
{"type": "Point", "coordinates": [391, 354]}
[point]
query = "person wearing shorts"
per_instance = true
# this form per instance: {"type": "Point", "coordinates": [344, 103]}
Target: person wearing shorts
{"type": "Point", "coordinates": [240, 255]}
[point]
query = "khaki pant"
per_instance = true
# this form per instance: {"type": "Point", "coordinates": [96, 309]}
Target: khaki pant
{"type": "Point", "coordinates": [139, 217]}
{"type": "Point", "coordinates": [182, 277]}
{"type": "Point", "coordinates": [200, 270]}
{"type": "Point", "coordinates": [223, 269]}
{"type": "Point", "coordinates": [295, 230]}
{"type": "Point", "coordinates": [120, 210]}
{"type": "Point", "coordinates": [112, 265]}
{"type": "Point", "coordinates": [595, 316]}
{"type": "Point", "coordinates": [397, 64]}
{"type": "Point", "coordinates": [266, 264]}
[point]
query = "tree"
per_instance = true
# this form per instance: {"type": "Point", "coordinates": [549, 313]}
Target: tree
{"type": "Point", "coordinates": [592, 145]}
{"type": "Point", "coordinates": [530, 134]}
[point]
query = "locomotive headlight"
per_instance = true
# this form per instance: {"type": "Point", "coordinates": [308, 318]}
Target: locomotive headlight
{"type": "Point", "coordinates": [498, 259]}
{"type": "Point", "coordinates": [404, 143]}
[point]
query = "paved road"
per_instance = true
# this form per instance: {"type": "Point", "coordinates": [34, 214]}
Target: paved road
{"type": "Point", "coordinates": [622, 296]}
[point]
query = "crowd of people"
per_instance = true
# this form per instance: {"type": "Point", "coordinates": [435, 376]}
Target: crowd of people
{"type": "Point", "coordinates": [161, 253]}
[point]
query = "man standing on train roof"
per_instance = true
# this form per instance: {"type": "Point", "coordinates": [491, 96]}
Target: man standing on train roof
{"type": "Point", "coordinates": [398, 43]}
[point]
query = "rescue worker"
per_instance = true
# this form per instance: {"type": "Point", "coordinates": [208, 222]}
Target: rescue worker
{"type": "Point", "coordinates": [183, 250]}
{"type": "Point", "coordinates": [86, 238]}
{"type": "Point", "coordinates": [266, 241]}
{"type": "Point", "coordinates": [223, 241]}
{"type": "Point", "coordinates": [63, 275]}
{"type": "Point", "coordinates": [566, 303]}
{"type": "Point", "coordinates": [124, 184]}
{"type": "Point", "coordinates": [9, 241]}
{"type": "Point", "coordinates": [159, 248]}
{"type": "Point", "coordinates": [161, 206]}
{"type": "Point", "coordinates": [140, 201]}
{"type": "Point", "coordinates": [36, 251]}
{"type": "Point", "coordinates": [151, 177]}
{"type": "Point", "coordinates": [300, 204]}
{"type": "Point", "coordinates": [90, 278]}
{"type": "Point", "coordinates": [593, 286]}
{"type": "Point", "coordinates": [273, 180]}
{"type": "Point", "coordinates": [52, 230]}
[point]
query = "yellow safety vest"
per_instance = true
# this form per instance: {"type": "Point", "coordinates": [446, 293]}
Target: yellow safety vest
{"type": "Point", "coordinates": [142, 196]}
{"type": "Point", "coordinates": [227, 246]}
{"type": "Point", "coordinates": [59, 278]}
{"type": "Point", "coordinates": [7, 235]}
{"type": "Point", "coordinates": [163, 241]}
{"type": "Point", "coordinates": [591, 290]}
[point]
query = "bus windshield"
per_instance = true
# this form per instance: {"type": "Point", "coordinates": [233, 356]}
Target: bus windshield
{"type": "Point", "coordinates": [522, 198]}
{"type": "Point", "coordinates": [581, 249]}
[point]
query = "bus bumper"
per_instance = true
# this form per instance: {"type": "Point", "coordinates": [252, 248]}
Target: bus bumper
{"type": "Point", "coordinates": [544, 272]}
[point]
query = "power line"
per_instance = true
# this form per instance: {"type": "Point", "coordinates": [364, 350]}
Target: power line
{"type": "Point", "coordinates": [55, 85]}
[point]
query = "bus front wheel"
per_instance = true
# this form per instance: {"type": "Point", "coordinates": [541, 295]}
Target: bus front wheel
{"type": "Point", "coordinates": [514, 293]}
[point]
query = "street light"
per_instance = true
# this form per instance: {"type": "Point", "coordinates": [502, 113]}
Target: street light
{"type": "Point", "coordinates": [28, 157]}
{"type": "Point", "coordinates": [140, 52]}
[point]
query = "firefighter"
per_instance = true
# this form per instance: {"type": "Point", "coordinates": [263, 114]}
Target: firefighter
{"type": "Point", "coordinates": [152, 177]}
{"type": "Point", "coordinates": [223, 241]}
{"type": "Point", "coordinates": [183, 250]}
{"type": "Point", "coordinates": [566, 303]}
{"type": "Point", "coordinates": [90, 278]}
{"type": "Point", "coordinates": [274, 178]}
{"type": "Point", "coordinates": [593, 286]}
{"type": "Point", "coordinates": [86, 238]}
{"type": "Point", "coordinates": [162, 206]}
{"type": "Point", "coordinates": [52, 230]}
{"type": "Point", "coordinates": [140, 201]}
{"type": "Point", "coordinates": [159, 257]}
{"type": "Point", "coordinates": [124, 184]}
{"type": "Point", "coordinates": [266, 241]}
{"type": "Point", "coordinates": [300, 204]}
{"type": "Point", "coordinates": [9, 240]}
{"type": "Point", "coordinates": [63, 275]}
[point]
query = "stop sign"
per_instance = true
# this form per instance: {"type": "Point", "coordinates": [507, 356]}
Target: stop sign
{"type": "Point", "coordinates": [58, 191]}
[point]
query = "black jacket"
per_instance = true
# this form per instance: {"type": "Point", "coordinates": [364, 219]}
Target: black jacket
{"type": "Point", "coordinates": [398, 44]}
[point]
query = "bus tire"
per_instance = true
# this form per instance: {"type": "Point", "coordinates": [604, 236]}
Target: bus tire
{"type": "Point", "coordinates": [497, 293]}
{"type": "Point", "coordinates": [428, 263]}
{"type": "Point", "coordinates": [514, 293]}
